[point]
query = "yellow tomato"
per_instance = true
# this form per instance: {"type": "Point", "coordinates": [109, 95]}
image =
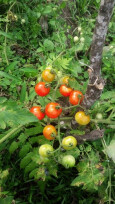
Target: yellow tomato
{"type": "Point", "coordinates": [81, 118]}
{"type": "Point", "coordinates": [47, 75]}
{"type": "Point", "coordinates": [69, 142]}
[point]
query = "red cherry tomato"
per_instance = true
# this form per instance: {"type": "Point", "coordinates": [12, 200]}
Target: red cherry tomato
{"type": "Point", "coordinates": [41, 89]}
{"type": "Point", "coordinates": [76, 97]}
{"type": "Point", "coordinates": [53, 110]}
{"type": "Point", "coordinates": [49, 132]}
{"type": "Point", "coordinates": [36, 110]}
{"type": "Point", "coordinates": [64, 90]}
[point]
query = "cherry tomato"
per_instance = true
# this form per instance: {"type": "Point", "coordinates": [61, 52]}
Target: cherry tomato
{"type": "Point", "coordinates": [47, 75]}
{"type": "Point", "coordinates": [81, 118]}
{"type": "Point", "coordinates": [45, 150]}
{"type": "Point", "coordinates": [36, 110]}
{"type": "Point", "coordinates": [68, 161]}
{"type": "Point", "coordinates": [69, 142]}
{"type": "Point", "coordinates": [64, 90]}
{"type": "Point", "coordinates": [41, 89]}
{"type": "Point", "coordinates": [99, 116]}
{"type": "Point", "coordinates": [74, 97]}
{"type": "Point", "coordinates": [49, 132]}
{"type": "Point", "coordinates": [53, 110]}
{"type": "Point", "coordinates": [65, 80]}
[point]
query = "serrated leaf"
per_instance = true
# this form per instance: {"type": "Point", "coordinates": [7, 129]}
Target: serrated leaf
{"type": "Point", "coordinates": [25, 149]}
{"type": "Point", "coordinates": [3, 74]}
{"type": "Point", "coordinates": [33, 173]}
{"type": "Point", "coordinates": [30, 167]}
{"type": "Point", "coordinates": [34, 130]}
{"type": "Point", "coordinates": [108, 95]}
{"type": "Point", "coordinates": [11, 66]}
{"type": "Point", "coordinates": [2, 124]}
{"type": "Point", "coordinates": [48, 44]}
{"type": "Point", "coordinates": [13, 147]}
{"type": "Point", "coordinates": [26, 160]}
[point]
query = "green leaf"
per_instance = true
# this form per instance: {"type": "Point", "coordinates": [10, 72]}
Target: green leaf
{"type": "Point", "coordinates": [25, 149]}
{"type": "Point", "coordinates": [48, 44]}
{"type": "Point", "coordinates": [107, 95]}
{"type": "Point", "coordinates": [23, 92]}
{"type": "Point", "coordinates": [3, 74]}
{"type": "Point", "coordinates": [8, 35]}
{"type": "Point", "coordinates": [26, 160]}
{"type": "Point", "coordinates": [11, 66]}
{"type": "Point", "coordinates": [111, 150]}
{"type": "Point", "coordinates": [30, 167]}
{"type": "Point", "coordinates": [13, 147]}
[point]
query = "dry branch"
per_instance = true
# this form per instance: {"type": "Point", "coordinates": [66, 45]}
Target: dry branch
{"type": "Point", "coordinates": [96, 83]}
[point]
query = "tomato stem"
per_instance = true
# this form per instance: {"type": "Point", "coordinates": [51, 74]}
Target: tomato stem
{"type": "Point", "coordinates": [73, 107]}
{"type": "Point", "coordinates": [106, 121]}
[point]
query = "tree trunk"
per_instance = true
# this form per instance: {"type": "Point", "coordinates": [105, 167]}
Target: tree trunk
{"type": "Point", "coordinates": [96, 83]}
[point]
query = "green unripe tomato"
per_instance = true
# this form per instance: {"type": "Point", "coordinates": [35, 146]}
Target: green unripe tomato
{"type": "Point", "coordinates": [75, 39]}
{"type": "Point", "coordinates": [69, 142]}
{"type": "Point", "coordinates": [68, 161]}
{"type": "Point", "coordinates": [45, 150]}
{"type": "Point", "coordinates": [99, 116]}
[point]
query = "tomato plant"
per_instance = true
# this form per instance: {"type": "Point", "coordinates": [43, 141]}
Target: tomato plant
{"type": "Point", "coordinates": [65, 90]}
{"type": "Point", "coordinates": [81, 118]}
{"type": "Point", "coordinates": [41, 89]}
{"type": "Point", "coordinates": [45, 150]}
{"type": "Point", "coordinates": [49, 132]}
{"type": "Point", "coordinates": [47, 75]}
{"type": "Point", "coordinates": [68, 161]}
{"type": "Point", "coordinates": [69, 142]}
{"type": "Point", "coordinates": [76, 97]}
{"type": "Point", "coordinates": [53, 110]}
{"type": "Point", "coordinates": [36, 110]}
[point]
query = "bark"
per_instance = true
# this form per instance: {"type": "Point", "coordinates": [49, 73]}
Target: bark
{"type": "Point", "coordinates": [91, 136]}
{"type": "Point", "coordinates": [96, 83]}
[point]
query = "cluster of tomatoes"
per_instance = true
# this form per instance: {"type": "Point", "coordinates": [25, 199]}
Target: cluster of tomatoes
{"type": "Point", "coordinates": [53, 110]}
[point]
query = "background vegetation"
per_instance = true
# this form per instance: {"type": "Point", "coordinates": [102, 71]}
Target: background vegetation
{"type": "Point", "coordinates": [34, 34]}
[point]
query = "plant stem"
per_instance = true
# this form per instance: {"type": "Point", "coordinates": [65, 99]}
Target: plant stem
{"type": "Point", "coordinates": [10, 133]}
{"type": "Point", "coordinates": [56, 89]}
{"type": "Point", "coordinates": [6, 30]}
{"type": "Point", "coordinates": [58, 56]}
{"type": "Point", "coordinates": [106, 121]}
{"type": "Point", "coordinates": [109, 170]}
{"type": "Point", "coordinates": [73, 107]}
{"type": "Point", "coordinates": [59, 130]}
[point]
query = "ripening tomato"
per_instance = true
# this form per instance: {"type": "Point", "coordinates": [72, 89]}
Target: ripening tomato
{"type": "Point", "coordinates": [69, 142]}
{"type": "Point", "coordinates": [36, 110]}
{"type": "Point", "coordinates": [49, 132]}
{"type": "Point", "coordinates": [65, 80]}
{"type": "Point", "coordinates": [81, 118]}
{"type": "Point", "coordinates": [45, 150]}
{"type": "Point", "coordinates": [76, 97]}
{"type": "Point", "coordinates": [53, 110]}
{"type": "Point", "coordinates": [47, 74]}
{"type": "Point", "coordinates": [41, 89]}
{"type": "Point", "coordinates": [64, 90]}
{"type": "Point", "coordinates": [68, 161]}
